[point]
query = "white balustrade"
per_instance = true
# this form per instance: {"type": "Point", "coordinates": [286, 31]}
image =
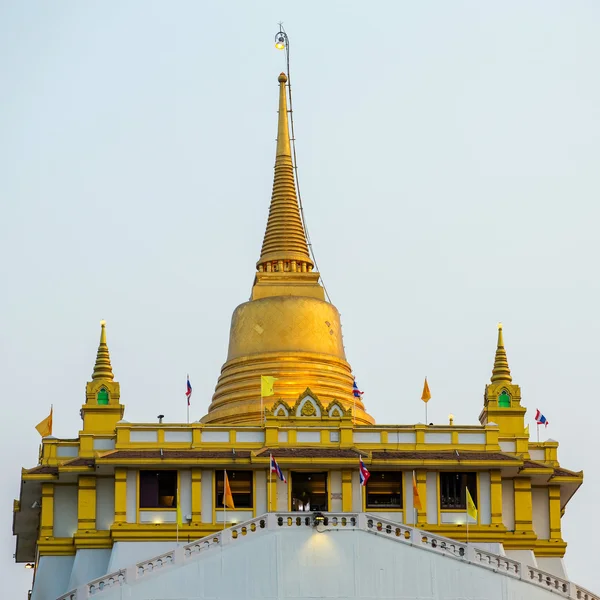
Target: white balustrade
{"type": "Point", "coordinates": [582, 594]}
{"type": "Point", "coordinates": [154, 564]}
{"type": "Point", "coordinates": [546, 580]}
{"type": "Point", "coordinates": [335, 521]}
{"type": "Point", "coordinates": [104, 583]}
{"type": "Point", "coordinates": [496, 562]}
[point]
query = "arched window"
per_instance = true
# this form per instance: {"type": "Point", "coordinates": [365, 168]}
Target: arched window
{"type": "Point", "coordinates": [504, 399]}
{"type": "Point", "coordinates": [102, 396]}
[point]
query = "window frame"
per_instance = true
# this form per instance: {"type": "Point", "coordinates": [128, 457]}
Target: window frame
{"type": "Point", "coordinates": [389, 506]}
{"type": "Point", "coordinates": [216, 492]}
{"type": "Point", "coordinates": [473, 489]}
{"type": "Point", "coordinates": [158, 507]}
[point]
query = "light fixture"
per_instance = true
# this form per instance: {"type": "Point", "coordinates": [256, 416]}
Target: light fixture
{"type": "Point", "coordinates": [29, 565]}
{"type": "Point", "coordinates": [318, 519]}
{"type": "Point", "coordinates": [281, 39]}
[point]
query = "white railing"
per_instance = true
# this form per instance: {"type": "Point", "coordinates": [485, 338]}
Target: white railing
{"type": "Point", "coordinates": [333, 521]}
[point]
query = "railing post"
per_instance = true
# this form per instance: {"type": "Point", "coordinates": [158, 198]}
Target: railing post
{"type": "Point", "coordinates": [362, 521]}
{"type": "Point", "coordinates": [272, 520]}
{"type": "Point", "coordinates": [130, 574]}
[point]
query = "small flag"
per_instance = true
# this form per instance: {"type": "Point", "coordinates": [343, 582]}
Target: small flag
{"type": "Point", "coordinates": [471, 508]}
{"type": "Point", "coordinates": [357, 393]}
{"type": "Point", "coordinates": [227, 495]}
{"type": "Point", "coordinates": [188, 391]}
{"type": "Point", "coordinates": [45, 427]}
{"type": "Point", "coordinates": [426, 397]}
{"type": "Point", "coordinates": [540, 419]}
{"type": "Point", "coordinates": [266, 386]}
{"type": "Point", "coordinates": [416, 498]}
{"type": "Point", "coordinates": [363, 472]}
{"type": "Point", "coordinates": [276, 469]}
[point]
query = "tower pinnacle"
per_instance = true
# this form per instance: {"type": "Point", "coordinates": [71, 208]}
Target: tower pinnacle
{"type": "Point", "coordinates": [103, 368]}
{"type": "Point", "coordinates": [501, 372]}
{"type": "Point", "coordinates": [284, 246]}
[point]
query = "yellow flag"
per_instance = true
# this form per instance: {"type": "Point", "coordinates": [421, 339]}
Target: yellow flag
{"type": "Point", "coordinates": [471, 508]}
{"type": "Point", "coordinates": [45, 427]}
{"type": "Point", "coordinates": [426, 397]}
{"type": "Point", "coordinates": [266, 385]}
{"type": "Point", "coordinates": [416, 498]}
{"type": "Point", "coordinates": [227, 496]}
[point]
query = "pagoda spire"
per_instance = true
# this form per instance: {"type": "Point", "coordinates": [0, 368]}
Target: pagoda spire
{"type": "Point", "coordinates": [284, 248]}
{"type": "Point", "coordinates": [501, 371]}
{"type": "Point", "coordinates": [103, 368]}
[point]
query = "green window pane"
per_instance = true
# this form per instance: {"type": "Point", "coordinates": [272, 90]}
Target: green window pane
{"type": "Point", "coordinates": [504, 400]}
{"type": "Point", "coordinates": [102, 397]}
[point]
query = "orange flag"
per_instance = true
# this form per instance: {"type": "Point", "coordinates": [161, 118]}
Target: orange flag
{"type": "Point", "coordinates": [45, 427]}
{"type": "Point", "coordinates": [227, 496]}
{"type": "Point", "coordinates": [426, 397]}
{"type": "Point", "coordinates": [416, 498]}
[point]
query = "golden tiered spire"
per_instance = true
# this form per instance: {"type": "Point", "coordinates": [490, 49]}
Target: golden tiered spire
{"type": "Point", "coordinates": [103, 368]}
{"type": "Point", "coordinates": [501, 372]}
{"type": "Point", "coordinates": [284, 246]}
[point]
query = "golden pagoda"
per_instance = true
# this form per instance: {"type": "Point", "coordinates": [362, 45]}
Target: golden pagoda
{"type": "Point", "coordinates": [287, 330]}
{"type": "Point", "coordinates": [104, 509]}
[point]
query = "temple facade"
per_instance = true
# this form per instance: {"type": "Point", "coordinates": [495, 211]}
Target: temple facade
{"type": "Point", "coordinates": [100, 505]}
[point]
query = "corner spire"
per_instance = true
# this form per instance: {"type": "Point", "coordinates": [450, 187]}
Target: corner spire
{"type": "Point", "coordinates": [501, 372]}
{"type": "Point", "coordinates": [103, 368]}
{"type": "Point", "coordinates": [284, 246]}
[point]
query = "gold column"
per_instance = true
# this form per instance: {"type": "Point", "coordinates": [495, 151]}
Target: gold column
{"type": "Point", "coordinates": [523, 505]}
{"type": "Point", "coordinates": [496, 497]}
{"type": "Point", "coordinates": [120, 495]}
{"type": "Point", "coordinates": [346, 491]}
{"type": "Point", "coordinates": [554, 510]}
{"type": "Point", "coordinates": [86, 503]}
{"type": "Point", "coordinates": [196, 496]}
{"type": "Point", "coordinates": [47, 513]}
{"type": "Point", "coordinates": [421, 477]}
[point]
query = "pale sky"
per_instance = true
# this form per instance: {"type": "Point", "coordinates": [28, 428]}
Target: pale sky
{"type": "Point", "coordinates": [448, 155]}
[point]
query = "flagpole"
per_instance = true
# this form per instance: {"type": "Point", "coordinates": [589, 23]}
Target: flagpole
{"type": "Point", "coordinates": [177, 512]}
{"type": "Point", "coordinates": [224, 499]}
{"type": "Point", "coordinates": [538, 431]}
{"type": "Point", "coordinates": [188, 396]}
{"type": "Point", "coordinates": [269, 480]}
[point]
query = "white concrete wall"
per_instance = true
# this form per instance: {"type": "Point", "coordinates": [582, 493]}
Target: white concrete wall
{"type": "Point", "coordinates": [131, 491]}
{"type": "Point", "coordinates": [207, 496]}
{"type": "Point", "coordinates": [508, 504]}
{"type": "Point", "coordinates": [432, 498]}
{"type": "Point", "coordinates": [185, 493]}
{"type": "Point", "coordinates": [105, 503]}
{"type": "Point", "coordinates": [302, 564]}
{"type": "Point", "coordinates": [335, 481]}
{"type": "Point", "coordinates": [281, 503]}
{"type": "Point", "coordinates": [541, 512]}
{"type": "Point", "coordinates": [52, 577]}
{"type": "Point", "coordinates": [88, 565]}
{"type": "Point", "coordinates": [484, 502]}
{"type": "Point", "coordinates": [65, 510]}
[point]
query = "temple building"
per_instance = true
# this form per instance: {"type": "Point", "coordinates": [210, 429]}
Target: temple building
{"type": "Point", "coordinates": [198, 510]}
